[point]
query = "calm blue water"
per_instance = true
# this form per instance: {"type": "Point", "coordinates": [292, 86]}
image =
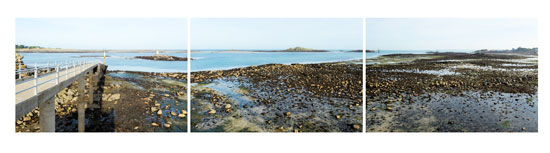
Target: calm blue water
{"type": "Point", "coordinates": [116, 61]}
{"type": "Point", "coordinates": [203, 60]}
{"type": "Point", "coordinates": [224, 60]}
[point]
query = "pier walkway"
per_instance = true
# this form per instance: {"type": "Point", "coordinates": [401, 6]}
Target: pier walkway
{"type": "Point", "coordinates": [34, 91]}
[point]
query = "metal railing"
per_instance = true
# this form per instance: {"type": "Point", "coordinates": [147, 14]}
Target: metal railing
{"type": "Point", "coordinates": [73, 68]}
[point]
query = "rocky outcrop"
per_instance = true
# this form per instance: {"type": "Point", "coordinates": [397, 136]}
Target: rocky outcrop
{"type": "Point", "coordinates": [163, 58]}
{"type": "Point", "coordinates": [19, 61]}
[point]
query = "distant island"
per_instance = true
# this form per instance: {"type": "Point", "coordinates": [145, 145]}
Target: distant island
{"type": "Point", "coordinates": [158, 57]}
{"type": "Point", "coordinates": [521, 50]}
{"type": "Point", "coordinates": [368, 51]}
{"type": "Point", "coordinates": [302, 49]}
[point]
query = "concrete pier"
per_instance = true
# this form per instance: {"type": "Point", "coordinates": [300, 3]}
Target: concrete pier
{"type": "Point", "coordinates": [48, 85]}
{"type": "Point", "coordinates": [47, 115]}
{"type": "Point", "coordinates": [81, 106]}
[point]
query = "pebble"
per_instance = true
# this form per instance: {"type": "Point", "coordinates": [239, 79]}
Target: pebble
{"type": "Point", "coordinates": [356, 127]}
{"type": "Point", "coordinates": [288, 113]}
{"type": "Point", "coordinates": [154, 124]}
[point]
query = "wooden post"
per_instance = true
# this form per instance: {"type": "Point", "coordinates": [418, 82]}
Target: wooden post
{"type": "Point", "coordinates": [47, 115]}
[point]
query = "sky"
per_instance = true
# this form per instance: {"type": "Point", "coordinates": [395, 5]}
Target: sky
{"type": "Point", "coordinates": [276, 33]}
{"type": "Point", "coordinates": [450, 34]}
{"type": "Point", "coordinates": [103, 33]}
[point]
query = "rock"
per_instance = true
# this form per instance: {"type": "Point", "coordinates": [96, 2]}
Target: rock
{"type": "Point", "coordinates": [167, 125]}
{"type": "Point", "coordinates": [184, 112]}
{"type": "Point", "coordinates": [523, 128]}
{"type": "Point", "coordinates": [159, 112]}
{"type": "Point", "coordinates": [166, 95]}
{"type": "Point", "coordinates": [338, 116]}
{"type": "Point", "coordinates": [114, 97]}
{"type": "Point", "coordinates": [173, 113]}
{"type": "Point", "coordinates": [288, 113]}
{"type": "Point", "coordinates": [373, 109]}
{"type": "Point", "coordinates": [154, 109]}
{"type": "Point", "coordinates": [227, 106]}
{"type": "Point", "coordinates": [181, 115]}
{"type": "Point", "coordinates": [19, 122]}
{"type": "Point", "coordinates": [154, 124]}
{"type": "Point", "coordinates": [26, 118]}
{"type": "Point", "coordinates": [212, 111]}
{"type": "Point", "coordinates": [356, 127]}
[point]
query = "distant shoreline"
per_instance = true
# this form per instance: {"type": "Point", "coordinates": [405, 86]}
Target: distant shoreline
{"type": "Point", "coordinates": [50, 50]}
{"type": "Point", "coordinates": [95, 51]}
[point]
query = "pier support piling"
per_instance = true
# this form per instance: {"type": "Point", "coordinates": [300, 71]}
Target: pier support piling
{"type": "Point", "coordinates": [81, 107]}
{"type": "Point", "coordinates": [47, 115]}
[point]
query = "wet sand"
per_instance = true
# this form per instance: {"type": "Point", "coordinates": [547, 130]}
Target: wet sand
{"type": "Point", "coordinates": [452, 92]}
{"type": "Point", "coordinates": [278, 98]}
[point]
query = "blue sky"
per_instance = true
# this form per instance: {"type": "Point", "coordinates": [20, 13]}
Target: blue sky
{"type": "Point", "coordinates": [103, 33]}
{"type": "Point", "coordinates": [441, 34]}
{"type": "Point", "coordinates": [276, 33]}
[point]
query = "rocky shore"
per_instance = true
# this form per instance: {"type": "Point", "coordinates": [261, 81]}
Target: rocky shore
{"type": "Point", "coordinates": [452, 92]}
{"type": "Point", "coordinates": [278, 98]}
{"type": "Point", "coordinates": [125, 102]}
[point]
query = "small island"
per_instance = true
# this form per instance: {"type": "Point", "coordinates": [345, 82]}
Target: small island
{"type": "Point", "coordinates": [368, 51]}
{"type": "Point", "coordinates": [302, 49]}
{"type": "Point", "coordinates": [158, 57]}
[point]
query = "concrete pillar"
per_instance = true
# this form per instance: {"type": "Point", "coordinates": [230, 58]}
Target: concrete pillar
{"type": "Point", "coordinates": [91, 87]}
{"type": "Point", "coordinates": [81, 107]}
{"type": "Point", "coordinates": [47, 115]}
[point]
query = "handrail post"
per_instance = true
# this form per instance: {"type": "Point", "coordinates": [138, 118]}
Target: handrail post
{"type": "Point", "coordinates": [66, 70]}
{"type": "Point", "coordinates": [74, 67]}
{"type": "Point", "coordinates": [35, 79]}
{"type": "Point", "coordinates": [48, 67]}
{"type": "Point", "coordinates": [56, 74]}
{"type": "Point", "coordinates": [20, 71]}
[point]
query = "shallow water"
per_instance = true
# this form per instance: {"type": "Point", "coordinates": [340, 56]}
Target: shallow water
{"type": "Point", "coordinates": [223, 60]}
{"type": "Point", "coordinates": [308, 113]}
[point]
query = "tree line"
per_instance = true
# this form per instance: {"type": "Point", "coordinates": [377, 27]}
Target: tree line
{"type": "Point", "coordinates": [26, 47]}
